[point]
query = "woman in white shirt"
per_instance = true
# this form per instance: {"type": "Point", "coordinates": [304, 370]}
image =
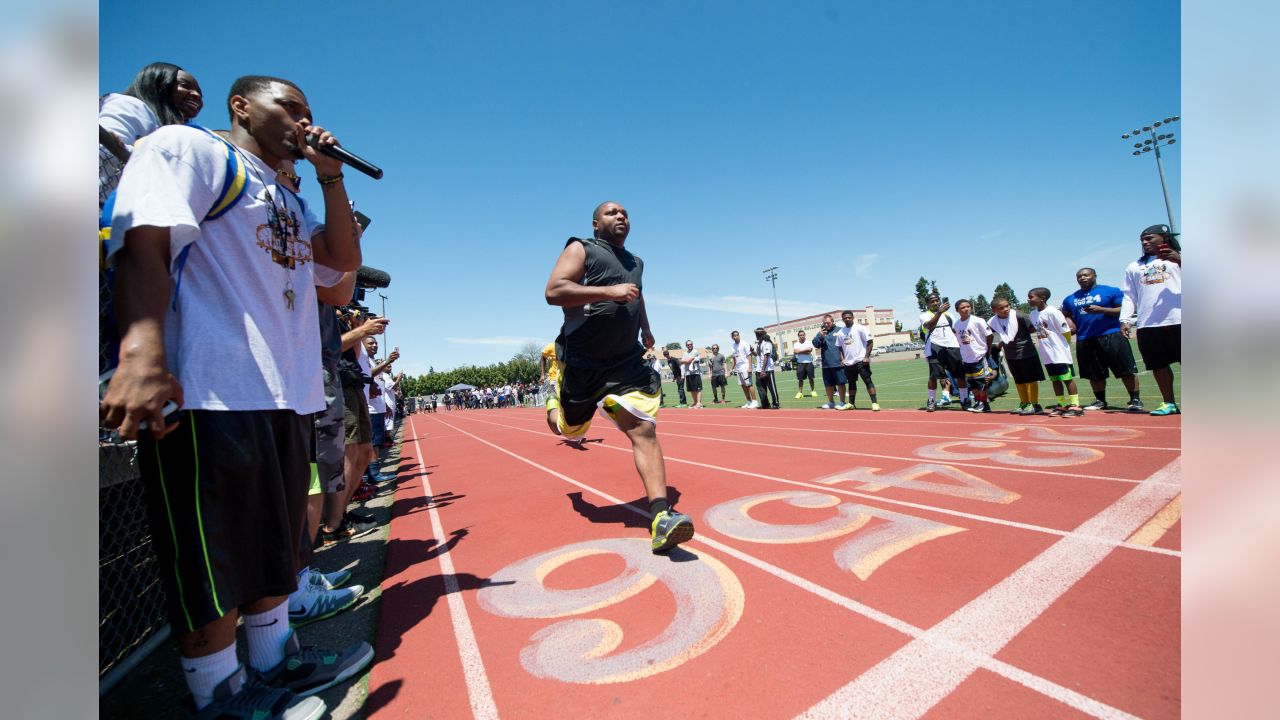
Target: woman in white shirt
{"type": "Point", "coordinates": [160, 94]}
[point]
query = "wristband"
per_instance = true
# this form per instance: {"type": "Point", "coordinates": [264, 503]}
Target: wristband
{"type": "Point", "coordinates": [330, 180]}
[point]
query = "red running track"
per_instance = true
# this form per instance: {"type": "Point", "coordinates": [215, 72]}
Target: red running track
{"type": "Point", "coordinates": [890, 565]}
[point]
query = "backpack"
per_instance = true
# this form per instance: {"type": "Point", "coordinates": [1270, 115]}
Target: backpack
{"type": "Point", "coordinates": [233, 188]}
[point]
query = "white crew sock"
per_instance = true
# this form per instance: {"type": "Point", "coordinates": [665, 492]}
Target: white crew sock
{"type": "Point", "coordinates": [933, 395]}
{"type": "Point", "coordinates": [267, 633]}
{"type": "Point", "coordinates": [204, 673]}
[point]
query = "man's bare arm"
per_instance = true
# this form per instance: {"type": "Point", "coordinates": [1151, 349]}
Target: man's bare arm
{"type": "Point", "coordinates": [142, 383]}
{"type": "Point", "coordinates": [339, 294]}
{"type": "Point", "coordinates": [565, 288]}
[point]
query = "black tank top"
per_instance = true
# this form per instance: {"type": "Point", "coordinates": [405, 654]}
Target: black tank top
{"type": "Point", "coordinates": [603, 334]}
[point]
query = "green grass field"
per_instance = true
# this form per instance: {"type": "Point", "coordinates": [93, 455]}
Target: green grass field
{"type": "Point", "coordinates": [901, 383]}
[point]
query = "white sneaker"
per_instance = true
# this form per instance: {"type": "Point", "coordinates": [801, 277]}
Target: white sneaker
{"type": "Point", "coordinates": [827, 406]}
{"type": "Point", "coordinates": [312, 601]}
{"type": "Point", "coordinates": [753, 405]}
{"type": "Point", "coordinates": [330, 580]}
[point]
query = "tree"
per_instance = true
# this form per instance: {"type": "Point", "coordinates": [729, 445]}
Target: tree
{"type": "Point", "coordinates": [897, 326]}
{"type": "Point", "coordinates": [1004, 291]}
{"type": "Point", "coordinates": [922, 291]}
{"type": "Point", "coordinates": [981, 307]}
{"type": "Point", "coordinates": [529, 351]}
{"type": "Point", "coordinates": [674, 346]}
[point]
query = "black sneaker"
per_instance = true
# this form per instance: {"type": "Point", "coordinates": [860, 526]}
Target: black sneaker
{"type": "Point", "coordinates": [1072, 411]}
{"type": "Point", "coordinates": [243, 697]}
{"type": "Point", "coordinates": [931, 406]}
{"type": "Point", "coordinates": [1098, 405]}
{"type": "Point", "coordinates": [1037, 409]}
{"type": "Point", "coordinates": [307, 670]}
{"type": "Point", "coordinates": [356, 516]}
{"type": "Point", "coordinates": [349, 529]}
{"type": "Point", "coordinates": [1135, 406]}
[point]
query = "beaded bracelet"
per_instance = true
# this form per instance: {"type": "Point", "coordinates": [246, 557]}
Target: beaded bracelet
{"type": "Point", "coordinates": [330, 180]}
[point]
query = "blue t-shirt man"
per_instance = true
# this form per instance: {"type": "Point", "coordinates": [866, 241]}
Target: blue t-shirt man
{"type": "Point", "coordinates": [1092, 325]}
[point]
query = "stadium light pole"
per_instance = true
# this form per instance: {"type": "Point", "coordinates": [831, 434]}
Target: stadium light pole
{"type": "Point", "coordinates": [771, 277]}
{"type": "Point", "coordinates": [1152, 145]}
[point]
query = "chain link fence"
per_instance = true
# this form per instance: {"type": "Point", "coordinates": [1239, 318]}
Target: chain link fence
{"type": "Point", "coordinates": [131, 596]}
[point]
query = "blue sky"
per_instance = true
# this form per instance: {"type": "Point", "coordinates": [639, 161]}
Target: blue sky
{"type": "Point", "coordinates": [855, 146]}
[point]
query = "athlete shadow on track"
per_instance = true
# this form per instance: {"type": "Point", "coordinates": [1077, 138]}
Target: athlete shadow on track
{"type": "Point", "coordinates": [581, 447]}
{"type": "Point", "coordinates": [624, 515]}
{"type": "Point", "coordinates": [408, 506]}
{"type": "Point", "coordinates": [405, 604]}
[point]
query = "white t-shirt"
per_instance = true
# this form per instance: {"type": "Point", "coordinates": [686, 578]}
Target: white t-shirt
{"type": "Point", "coordinates": [127, 117]}
{"type": "Point", "coordinates": [942, 334]}
{"type": "Point", "coordinates": [741, 358]}
{"type": "Point", "coordinates": [852, 341]}
{"type": "Point", "coordinates": [764, 357]}
{"type": "Point", "coordinates": [378, 403]}
{"type": "Point", "coordinates": [803, 351]}
{"type": "Point", "coordinates": [694, 366]}
{"type": "Point", "coordinates": [233, 343]}
{"type": "Point", "coordinates": [1152, 291]}
{"type": "Point", "coordinates": [972, 334]}
{"type": "Point", "coordinates": [1051, 330]}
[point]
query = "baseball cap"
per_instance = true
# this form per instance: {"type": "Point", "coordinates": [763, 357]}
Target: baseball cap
{"type": "Point", "coordinates": [1156, 230]}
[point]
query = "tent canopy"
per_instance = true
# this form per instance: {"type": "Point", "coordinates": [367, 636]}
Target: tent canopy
{"type": "Point", "coordinates": [461, 386]}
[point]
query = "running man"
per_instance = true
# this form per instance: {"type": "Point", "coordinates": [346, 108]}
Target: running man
{"type": "Point", "coordinates": [742, 368]}
{"type": "Point", "coordinates": [598, 283]}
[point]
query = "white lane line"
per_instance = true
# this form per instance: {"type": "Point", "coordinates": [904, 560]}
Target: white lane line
{"type": "Point", "coordinates": [1100, 443]}
{"type": "Point", "coordinates": [890, 415]}
{"type": "Point", "coordinates": [1140, 547]}
{"type": "Point", "coordinates": [833, 451]}
{"type": "Point", "coordinates": [947, 645]}
{"type": "Point", "coordinates": [918, 676]}
{"type": "Point", "coordinates": [479, 693]}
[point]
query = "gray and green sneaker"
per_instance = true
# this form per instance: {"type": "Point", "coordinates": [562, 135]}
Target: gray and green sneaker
{"type": "Point", "coordinates": [240, 696]}
{"type": "Point", "coordinates": [307, 670]}
{"type": "Point", "coordinates": [316, 600]}
{"type": "Point", "coordinates": [669, 529]}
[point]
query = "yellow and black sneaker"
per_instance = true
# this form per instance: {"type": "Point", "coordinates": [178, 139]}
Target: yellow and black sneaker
{"type": "Point", "coordinates": [669, 529]}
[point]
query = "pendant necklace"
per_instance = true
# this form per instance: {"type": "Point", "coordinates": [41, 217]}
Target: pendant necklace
{"type": "Point", "coordinates": [277, 221]}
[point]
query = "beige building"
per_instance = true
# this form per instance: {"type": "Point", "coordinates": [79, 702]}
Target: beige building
{"type": "Point", "coordinates": [879, 321]}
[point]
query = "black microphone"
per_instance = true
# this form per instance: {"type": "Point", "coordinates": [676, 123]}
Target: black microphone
{"type": "Point", "coordinates": [372, 278]}
{"type": "Point", "coordinates": [340, 153]}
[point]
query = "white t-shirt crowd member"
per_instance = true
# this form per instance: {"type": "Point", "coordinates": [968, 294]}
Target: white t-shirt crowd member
{"type": "Point", "coordinates": [943, 334]}
{"type": "Point", "coordinates": [764, 357]}
{"type": "Point", "coordinates": [973, 334]}
{"type": "Point", "coordinates": [742, 360]}
{"type": "Point", "coordinates": [232, 345]}
{"type": "Point", "coordinates": [1051, 331]}
{"type": "Point", "coordinates": [128, 118]}
{"type": "Point", "coordinates": [1152, 292]}
{"type": "Point", "coordinates": [852, 341]}
{"type": "Point", "coordinates": [803, 351]}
